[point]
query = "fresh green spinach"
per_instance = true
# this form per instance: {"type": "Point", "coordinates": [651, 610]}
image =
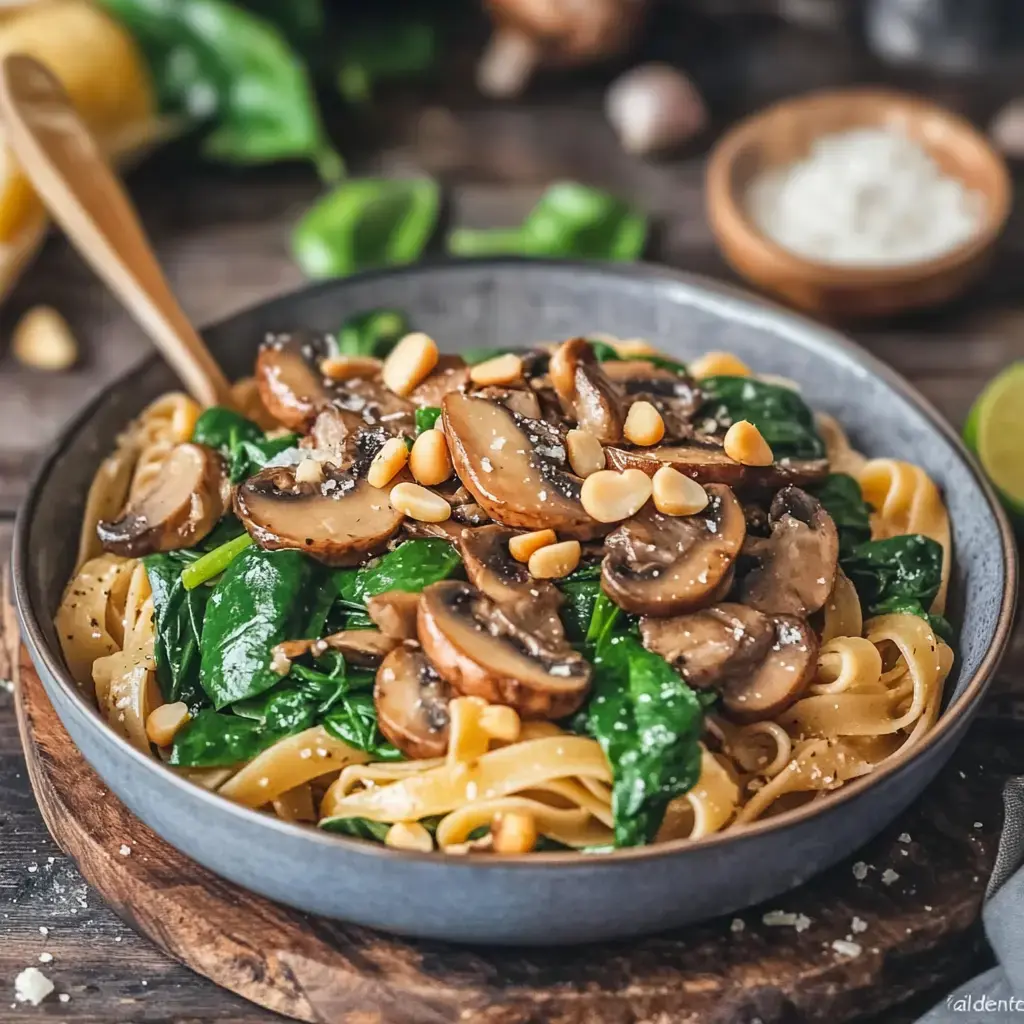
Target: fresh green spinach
{"type": "Point", "coordinates": [375, 54]}
{"type": "Point", "coordinates": [354, 721]}
{"type": "Point", "coordinates": [413, 565]}
{"type": "Point", "coordinates": [841, 496]}
{"type": "Point", "coordinates": [219, 739]}
{"type": "Point", "coordinates": [580, 590]}
{"type": "Point", "coordinates": [357, 828]}
{"type": "Point", "coordinates": [214, 562]}
{"type": "Point", "coordinates": [373, 333]}
{"type": "Point", "coordinates": [249, 457]}
{"type": "Point", "coordinates": [222, 429]}
{"type": "Point", "coordinates": [427, 417]}
{"type": "Point", "coordinates": [779, 413]}
{"type": "Point", "coordinates": [364, 223]}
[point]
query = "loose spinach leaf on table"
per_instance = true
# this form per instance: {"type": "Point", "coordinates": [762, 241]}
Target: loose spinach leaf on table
{"type": "Point", "coordinates": [373, 333]}
{"type": "Point", "coordinates": [648, 722]}
{"type": "Point", "coordinates": [364, 223]}
{"type": "Point", "coordinates": [779, 413]}
{"type": "Point", "coordinates": [215, 62]}
{"type": "Point", "coordinates": [261, 599]}
{"type": "Point", "coordinates": [841, 496]}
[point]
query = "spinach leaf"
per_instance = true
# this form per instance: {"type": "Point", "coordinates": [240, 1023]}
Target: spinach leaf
{"type": "Point", "coordinates": [899, 573]}
{"type": "Point", "coordinates": [580, 590]}
{"type": "Point", "coordinates": [779, 413]}
{"type": "Point", "coordinates": [354, 721]}
{"type": "Point", "coordinates": [374, 333]}
{"type": "Point", "coordinates": [257, 603]}
{"type": "Point", "coordinates": [603, 620]}
{"type": "Point", "coordinates": [648, 722]}
{"type": "Point", "coordinates": [177, 620]}
{"type": "Point", "coordinates": [840, 494]}
{"type": "Point", "coordinates": [222, 429]}
{"type": "Point", "coordinates": [249, 457]}
{"type": "Point", "coordinates": [216, 62]}
{"type": "Point", "coordinates": [569, 220]}
{"type": "Point", "coordinates": [366, 222]}
{"type": "Point", "coordinates": [215, 739]}
{"type": "Point", "coordinates": [427, 417]}
{"type": "Point", "coordinates": [357, 828]}
{"type": "Point", "coordinates": [412, 566]}
{"type": "Point", "coordinates": [940, 625]}
{"type": "Point", "coordinates": [373, 54]}
{"type": "Point", "coordinates": [301, 21]}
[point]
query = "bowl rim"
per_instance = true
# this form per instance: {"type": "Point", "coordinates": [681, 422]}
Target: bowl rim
{"type": "Point", "coordinates": [714, 294]}
{"type": "Point", "coordinates": [732, 225]}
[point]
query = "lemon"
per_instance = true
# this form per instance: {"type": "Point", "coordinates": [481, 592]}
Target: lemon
{"type": "Point", "coordinates": [994, 431]}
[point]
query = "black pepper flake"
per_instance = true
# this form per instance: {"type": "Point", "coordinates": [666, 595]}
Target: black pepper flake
{"type": "Point", "coordinates": [309, 541]}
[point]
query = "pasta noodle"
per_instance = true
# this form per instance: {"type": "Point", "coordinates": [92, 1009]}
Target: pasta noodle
{"type": "Point", "coordinates": [874, 691]}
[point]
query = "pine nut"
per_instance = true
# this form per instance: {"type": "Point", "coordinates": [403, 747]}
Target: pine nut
{"type": "Point", "coordinates": [418, 503]}
{"type": "Point", "coordinates": [163, 722]}
{"type": "Point", "coordinates": [349, 367]}
{"type": "Point", "coordinates": [388, 462]}
{"type": "Point", "coordinates": [718, 364]}
{"type": "Point", "coordinates": [744, 444]}
{"type": "Point", "coordinates": [43, 340]}
{"type": "Point", "coordinates": [634, 348]}
{"type": "Point", "coordinates": [610, 497]}
{"type": "Point", "coordinates": [409, 835]}
{"type": "Point", "coordinates": [506, 369]}
{"type": "Point", "coordinates": [429, 459]}
{"type": "Point", "coordinates": [523, 545]}
{"type": "Point", "coordinates": [514, 832]}
{"type": "Point", "coordinates": [644, 424]}
{"type": "Point", "coordinates": [309, 471]}
{"type": "Point", "coordinates": [586, 455]}
{"type": "Point", "coordinates": [553, 561]}
{"type": "Point", "coordinates": [500, 722]}
{"type": "Point", "coordinates": [675, 494]}
{"type": "Point", "coordinates": [410, 361]}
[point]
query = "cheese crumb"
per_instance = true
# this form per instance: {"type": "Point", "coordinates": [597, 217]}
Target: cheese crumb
{"type": "Point", "coordinates": [32, 986]}
{"type": "Point", "coordinates": [904, 837]}
{"type": "Point", "coordinates": [125, 850]}
{"type": "Point", "coordinates": [64, 997]}
{"type": "Point", "coordinates": [857, 926]}
{"type": "Point", "coordinates": [889, 876]}
{"type": "Point", "coordinates": [737, 925]}
{"type": "Point", "coordinates": [783, 919]}
{"type": "Point", "coordinates": [844, 948]}
{"type": "Point", "coordinates": [860, 871]}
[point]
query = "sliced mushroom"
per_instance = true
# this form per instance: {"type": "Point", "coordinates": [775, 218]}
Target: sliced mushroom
{"type": "Point", "coordinates": [706, 462]}
{"type": "Point", "coordinates": [521, 402]}
{"type": "Point", "coordinates": [586, 392]}
{"type": "Point", "coordinates": [666, 565]}
{"type": "Point", "coordinates": [450, 374]}
{"type": "Point", "coordinates": [515, 468]}
{"type": "Point", "coordinates": [179, 510]}
{"type": "Point", "coordinates": [331, 429]}
{"type": "Point", "coordinates": [366, 647]}
{"type": "Point", "coordinates": [481, 649]}
{"type": "Point", "coordinates": [470, 514]}
{"type": "Point", "coordinates": [394, 613]}
{"type": "Point", "coordinates": [707, 646]}
{"type": "Point", "coordinates": [674, 395]}
{"type": "Point", "coordinates": [493, 571]}
{"type": "Point", "coordinates": [782, 677]}
{"type": "Point", "coordinates": [797, 563]}
{"type": "Point", "coordinates": [340, 521]}
{"type": "Point", "coordinates": [411, 700]}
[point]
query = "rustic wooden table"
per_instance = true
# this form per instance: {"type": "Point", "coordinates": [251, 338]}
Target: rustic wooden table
{"type": "Point", "coordinates": [223, 237]}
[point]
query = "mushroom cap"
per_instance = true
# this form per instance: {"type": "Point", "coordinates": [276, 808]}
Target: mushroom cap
{"type": "Point", "coordinates": [184, 504]}
{"type": "Point", "coordinates": [340, 521]}
{"type": "Point", "coordinates": [481, 649]}
{"type": "Point", "coordinates": [708, 646]}
{"type": "Point", "coordinates": [798, 562]}
{"type": "Point", "coordinates": [411, 700]}
{"type": "Point", "coordinates": [394, 613]}
{"type": "Point", "coordinates": [515, 467]}
{"type": "Point", "coordinates": [666, 565]}
{"type": "Point", "coordinates": [586, 392]}
{"type": "Point", "coordinates": [782, 677]}
{"type": "Point", "coordinates": [706, 462]}
{"type": "Point", "coordinates": [674, 395]}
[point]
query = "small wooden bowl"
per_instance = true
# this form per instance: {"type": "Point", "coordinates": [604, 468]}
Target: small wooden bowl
{"type": "Point", "coordinates": [783, 134]}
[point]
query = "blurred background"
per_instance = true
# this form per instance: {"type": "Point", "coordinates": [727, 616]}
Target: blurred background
{"type": "Point", "coordinates": [246, 129]}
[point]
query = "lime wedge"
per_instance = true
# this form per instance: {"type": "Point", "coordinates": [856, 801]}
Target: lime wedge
{"type": "Point", "coordinates": [994, 431]}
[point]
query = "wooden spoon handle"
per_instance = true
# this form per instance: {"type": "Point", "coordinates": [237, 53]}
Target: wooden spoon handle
{"type": "Point", "coordinates": [61, 158]}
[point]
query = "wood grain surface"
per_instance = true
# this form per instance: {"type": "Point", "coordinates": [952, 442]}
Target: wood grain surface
{"type": "Point", "coordinates": [223, 238]}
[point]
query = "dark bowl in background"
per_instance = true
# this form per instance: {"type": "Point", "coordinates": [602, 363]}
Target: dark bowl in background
{"type": "Point", "coordinates": [543, 898]}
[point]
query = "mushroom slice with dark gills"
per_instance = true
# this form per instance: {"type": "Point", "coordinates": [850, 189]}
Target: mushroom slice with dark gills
{"type": "Point", "coordinates": [674, 395]}
{"type": "Point", "coordinates": [340, 521]}
{"type": "Point", "coordinates": [781, 678]}
{"type": "Point", "coordinates": [518, 400]}
{"type": "Point", "coordinates": [797, 563]}
{"type": "Point", "coordinates": [704, 460]}
{"type": "Point", "coordinates": [493, 571]}
{"type": "Point", "coordinates": [666, 565]}
{"type": "Point", "coordinates": [179, 510]}
{"type": "Point", "coordinates": [586, 393]}
{"type": "Point", "coordinates": [394, 613]}
{"type": "Point", "coordinates": [515, 468]}
{"type": "Point", "coordinates": [483, 649]}
{"type": "Point", "coordinates": [411, 701]}
{"type": "Point", "coordinates": [365, 647]}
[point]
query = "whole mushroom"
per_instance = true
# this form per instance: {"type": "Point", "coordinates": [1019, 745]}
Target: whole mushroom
{"type": "Point", "coordinates": [654, 107]}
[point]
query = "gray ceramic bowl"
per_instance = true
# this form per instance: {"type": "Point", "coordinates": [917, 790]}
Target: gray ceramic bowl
{"type": "Point", "coordinates": [547, 898]}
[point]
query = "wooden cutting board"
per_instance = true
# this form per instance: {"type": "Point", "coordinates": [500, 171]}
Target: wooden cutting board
{"type": "Point", "coordinates": [916, 932]}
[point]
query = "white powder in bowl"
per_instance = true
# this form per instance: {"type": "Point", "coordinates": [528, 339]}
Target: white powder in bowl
{"type": "Point", "coordinates": [867, 197]}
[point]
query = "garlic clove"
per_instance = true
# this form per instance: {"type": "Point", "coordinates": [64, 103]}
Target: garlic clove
{"type": "Point", "coordinates": [654, 107]}
{"type": "Point", "coordinates": [43, 340]}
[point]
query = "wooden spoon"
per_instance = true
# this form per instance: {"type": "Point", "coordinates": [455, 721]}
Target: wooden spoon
{"type": "Point", "coordinates": [64, 163]}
